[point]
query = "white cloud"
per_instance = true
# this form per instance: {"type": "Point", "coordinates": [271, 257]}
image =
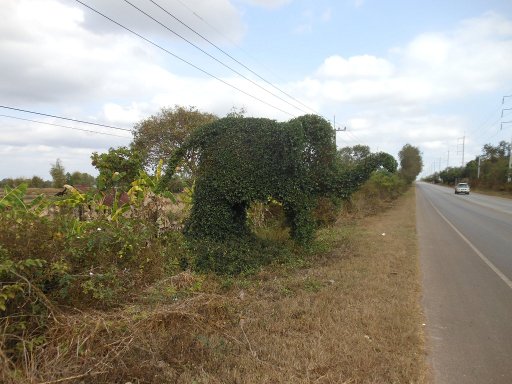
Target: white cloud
{"type": "Point", "coordinates": [358, 3]}
{"type": "Point", "coordinates": [355, 67]}
{"type": "Point", "coordinates": [432, 68]}
{"type": "Point", "coordinates": [270, 4]}
{"type": "Point", "coordinates": [68, 62]}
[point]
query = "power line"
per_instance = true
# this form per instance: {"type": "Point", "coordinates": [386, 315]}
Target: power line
{"type": "Point", "coordinates": [206, 53]}
{"type": "Point", "coordinates": [64, 118]}
{"type": "Point", "coordinates": [336, 127]}
{"type": "Point", "coordinates": [183, 60]}
{"type": "Point", "coordinates": [231, 57]}
{"type": "Point", "coordinates": [63, 126]}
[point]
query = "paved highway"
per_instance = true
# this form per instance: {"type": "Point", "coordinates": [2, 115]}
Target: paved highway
{"type": "Point", "coordinates": [466, 262]}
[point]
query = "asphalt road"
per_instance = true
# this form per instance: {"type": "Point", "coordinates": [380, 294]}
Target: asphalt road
{"type": "Point", "coordinates": [466, 262]}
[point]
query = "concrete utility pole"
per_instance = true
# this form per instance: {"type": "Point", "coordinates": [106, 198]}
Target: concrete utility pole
{"type": "Point", "coordinates": [478, 172]}
{"type": "Point", "coordinates": [334, 125]}
{"type": "Point", "coordinates": [509, 175]}
{"type": "Point", "coordinates": [463, 138]}
{"type": "Point", "coordinates": [509, 162]}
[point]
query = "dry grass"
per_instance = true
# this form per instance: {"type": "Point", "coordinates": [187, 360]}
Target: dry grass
{"type": "Point", "coordinates": [352, 316]}
{"type": "Point", "coordinates": [354, 319]}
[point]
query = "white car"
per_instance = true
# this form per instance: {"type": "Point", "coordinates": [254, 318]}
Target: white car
{"type": "Point", "coordinates": [462, 188]}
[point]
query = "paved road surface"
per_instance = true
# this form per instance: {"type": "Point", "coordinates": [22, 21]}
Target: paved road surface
{"type": "Point", "coordinates": [466, 261]}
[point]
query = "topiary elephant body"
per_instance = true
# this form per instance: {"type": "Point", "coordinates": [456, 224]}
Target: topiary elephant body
{"type": "Point", "coordinates": [242, 160]}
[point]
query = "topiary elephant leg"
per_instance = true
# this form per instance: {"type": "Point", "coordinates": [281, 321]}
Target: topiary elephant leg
{"type": "Point", "coordinates": [301, 222]}
{"type": "Point", "coordinates": [212, 216]}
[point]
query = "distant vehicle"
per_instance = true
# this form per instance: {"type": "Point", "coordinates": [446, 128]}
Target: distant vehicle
{"type": "Point", "coordinates": [462, 188]}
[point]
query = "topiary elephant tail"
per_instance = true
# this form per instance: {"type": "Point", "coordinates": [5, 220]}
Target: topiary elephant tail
{"type": "Point", "coordinates": [197, 141]}
{"type": "Point", "coordinates": [170, 168]}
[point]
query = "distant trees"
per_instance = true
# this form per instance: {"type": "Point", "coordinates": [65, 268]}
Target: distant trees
{"type": "Point", "coordinates": [493, 172]}
{"type": "Point", "coordinates": [38, 182]}
{"type": "Point", "coordinates": [58, 174]}
{"type": "Point", "coordinates": [80, 178]}
{"type": "Point", "coordinates": [411, 162]}
{"type": "Point", "coordinates": [34, 182]}
{"type": "Point", "coordinates": [493, 166]}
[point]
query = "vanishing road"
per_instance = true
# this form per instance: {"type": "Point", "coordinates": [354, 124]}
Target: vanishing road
{"type": "Point", "coordinates": [466, 262]}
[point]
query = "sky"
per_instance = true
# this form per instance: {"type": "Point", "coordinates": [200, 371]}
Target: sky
{"type": "Point", "coordinates": [432, 74]}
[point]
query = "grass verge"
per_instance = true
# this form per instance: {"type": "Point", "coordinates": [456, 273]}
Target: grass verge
{"type": "Point", "coordinates": [353, 318]}
{"type": "Point", "coordinates": [347, 312]}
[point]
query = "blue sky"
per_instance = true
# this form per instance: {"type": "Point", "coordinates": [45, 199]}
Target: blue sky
{"type": "Point", "coordinates": [393, 72]}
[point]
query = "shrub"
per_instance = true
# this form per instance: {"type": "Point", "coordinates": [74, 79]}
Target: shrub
{"type": "Point", "coordinates": [381, 188]}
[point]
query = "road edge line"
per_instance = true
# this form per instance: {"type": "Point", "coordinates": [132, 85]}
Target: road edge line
{"type": "Point", "coordinates": [500, 274]}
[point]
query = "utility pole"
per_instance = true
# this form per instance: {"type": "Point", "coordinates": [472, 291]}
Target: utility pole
{"type": "Point", "coordinates": [337, 129]}
{"type": "Point", "coordinates": [509, 175]}
{"type": "Point", "coordinates": [478, 172]}
{"type": "Point", "coordinates": [463, 138]}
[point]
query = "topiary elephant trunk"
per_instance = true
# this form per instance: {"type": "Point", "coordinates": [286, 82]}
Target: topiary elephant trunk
{"type": "Point", "coordinates": [242, 160]}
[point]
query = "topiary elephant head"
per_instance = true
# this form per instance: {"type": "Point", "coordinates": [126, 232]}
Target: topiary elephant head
{"type": "Point", "coordinates": [242, 160]}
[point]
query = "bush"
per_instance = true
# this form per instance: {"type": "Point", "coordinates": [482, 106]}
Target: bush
{"type": "Point", "coordinates": [49, 258]}
{"type": "Point", "coordinates": [235, 256]}
{"type": "Point", "coordinates": [381, 188]}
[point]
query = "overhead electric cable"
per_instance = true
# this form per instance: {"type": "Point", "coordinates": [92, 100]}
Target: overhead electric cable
{"type": "Point", "coordinates": [196, 14]}
{"type": "Point", "coordinates": [63, 126]}
{"type": "Point", "coordinates": [210, 55]}
{"type": "Point", "coordinates": [232, 58]}
{"type": "Point", "coordinates": [64, 118]}
{"type": "Point", "coordinates": [183, 60]}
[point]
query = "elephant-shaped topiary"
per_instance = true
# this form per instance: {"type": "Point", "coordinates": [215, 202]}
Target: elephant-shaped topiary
{"type": "Point", "coordinates": [242, 160]}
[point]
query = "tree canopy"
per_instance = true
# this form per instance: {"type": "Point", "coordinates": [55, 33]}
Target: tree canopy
{"type": "Point", "coordinates": [156, 137]}
{"type": "Point", "coordinates": [118, 167]}
{"type": "Point", "coordinates": [58, 174]}
{"type": "Point", "coordinates": [411, 162]}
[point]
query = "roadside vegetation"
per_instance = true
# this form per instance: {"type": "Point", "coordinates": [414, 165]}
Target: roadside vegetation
{"type": "Point", "coordinates": [102, 285]}
{"type": "Point", "coordinates": [493, 176]}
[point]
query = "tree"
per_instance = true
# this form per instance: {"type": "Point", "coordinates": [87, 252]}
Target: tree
{"type": "Point", "coordinates": [411, 162]}
{"type": "Point", "coordinates": [158, 136]}
{"type": "Point", "coordinates": [37, 182]}
{"type": "Point", "coordinates": [495, 153]}
{"type": "Point", "coordinates": [350, 156]}
{"type": "Point", "coordinates": [81, 178]}
{"type": "Point", "coordinates": [58, 174]}
{"type": "Point", "coordinates": [118, 167]}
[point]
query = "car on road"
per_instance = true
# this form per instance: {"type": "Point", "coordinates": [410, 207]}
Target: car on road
{"type": "Point", "coordinates": [462, 188]}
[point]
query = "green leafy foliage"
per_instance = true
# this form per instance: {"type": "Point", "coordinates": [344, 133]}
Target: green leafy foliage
{"type": "Point", "coordinates": [411, 162]}
{"type": "Point", "coordinates": [245, 160]}
{"type": "Point", "coordinates": [58, 174]}
{"type": "Point", "coordinates": [118, 167]}
{"type": "Point", "coordinates": [493, 173]}
{"type": "Point", "coordinates": [76, 251]}
{"type": "Point", "coordinates": [159, 135]}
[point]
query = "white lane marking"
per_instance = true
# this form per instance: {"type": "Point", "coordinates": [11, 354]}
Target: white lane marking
{"type": "Point", "coordinates": [498, 209]}
{"type": "Point", "coordinates": [480, 254]}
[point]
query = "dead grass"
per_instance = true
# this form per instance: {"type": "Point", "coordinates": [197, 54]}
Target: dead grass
{"type": "Point", "coordinates": [354, 319]}
{"type": "Point", "coordinates": [351, 316]}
